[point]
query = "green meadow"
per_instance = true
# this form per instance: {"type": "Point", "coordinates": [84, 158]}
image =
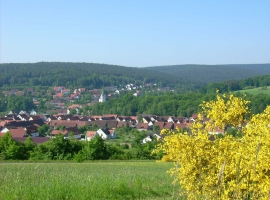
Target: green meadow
{"type": "Point", "coordinates": [255, 91]}
{"type": "Point", "coordinates": [90, 180]}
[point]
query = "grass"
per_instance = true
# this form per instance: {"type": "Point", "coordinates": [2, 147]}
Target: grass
{"type": "Point", "coordinates": [255, 91]}
{"type": "Point", "coordinates": [92, 180]}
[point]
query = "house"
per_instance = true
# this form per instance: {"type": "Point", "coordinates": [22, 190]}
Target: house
{"type": "Point", "coordinates": [32, 131]}
{"type": "Point", "coordinates": [75, 131]}
{"type": "Point", "coordinates": [50, 118]}
{"type": "Point", "coordinates": [18, 132]}
{"type": "Point", "coordinates": [216, 131]}
{"type": "Point", "coordinates": [180, 126]}
{"type": "Point", "coordinates": [67, 133]}
{"type": "Point", "coordinates": [58, 88]}
{"type": "Point", "coordinates": [38, 122]}
{"type": "Point", "coordinates": [13, 117]}
{"type": "Point", "coordinates": [65, 123]}
{"type": "Point", "coordinates": [35, 117]}
{"type": "Point", "coordinates": [160, 124]}
{"type": "Point", "coordinates": [142, 126]}
{"type": "Point", "coordinates": [146, 119]}
{"type": "Point", "coordinates": [85, 118]}
{"type": "Point", "coordinates": [32, 112]}
{"type": "Point", "coordinates": [4, 129]}
{"type": "Point", "coordinates": [23, 117]}
{"type": "Point", "coordinates": [124, 124]}
{"type": "Point", "coordinates": [82, 89]}
{"type": "Point", "coordinates": [65, 91]}
{"type": "Point", "coordinates": [83, 123]}
{"type": "Point", "coordinates": [99, 123]}
{"type": "Point", "coordinates": [56, 132]}
{"type": "Point", "coordinates": [61, 105]}
{"type": "Point", "coordinates": [22, 112]}
{"type": "Point", "coordinates": [106, 134]}
{"type": "Point", "coordinates": [181, 120]}
{"type": "Point", "coordinates": [172, 119]}
{"type": "Point", "coordinates": [169, 125]}
{"type": "Point", "coordinates": [134, 119]}
{"type": "Point", "coordinates": [96, 117]}
{"type": "Point", "coordinates": [193, 117]}
{"type": "Point", "coordinates": [20, 93]}
{"type": "Point", "coordinates": [110, 116]}
{"type": "Point", "coordinates": [54, 103]}
{"type": "Point", "coordinates": [90, 135]}
{"type": "Point", "coordinates": [112, 124]}
{"type": "Point", "coordinates": [122, 118]}
{"type": "Point", "coordinates": [150, 137]}
{"type": "Point", "coordinates": [73, 118]}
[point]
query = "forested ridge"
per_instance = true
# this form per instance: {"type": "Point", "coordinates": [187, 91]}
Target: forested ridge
{"type": "Point", "coordinates": [214, 73]}
{"type": "Point", "coordinates": [94, 75]}
{"type": "Point", "coordinates": [91, 75]}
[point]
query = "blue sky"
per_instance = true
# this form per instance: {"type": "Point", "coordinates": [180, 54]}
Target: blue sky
{"type": "Point", "coordinates": [135, 33]}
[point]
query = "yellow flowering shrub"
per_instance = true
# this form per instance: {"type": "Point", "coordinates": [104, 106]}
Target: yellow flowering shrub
{"type": "Point", "coordinates": [222, 167]}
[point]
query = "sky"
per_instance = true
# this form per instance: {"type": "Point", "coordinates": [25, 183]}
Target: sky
{"type": "Point", "coordinates": [135, 33]}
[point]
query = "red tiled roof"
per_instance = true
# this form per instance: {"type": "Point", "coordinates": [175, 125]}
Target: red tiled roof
{"type": "Point", "coordinates": [90, 133]}
{"type": "Point", "coordinates": [59, 94]}
{"type": "Point", "coordinates": [18, 132]}
{"type": "Point", "coordinates": [56, 132]}
{"type": "Point", "coordinates": [142, 126]}
{"type": "Point", "coordinates": [160, 124]}
{"type": "Point", "coordinates": [67, 123]}
{"type": "Point", "coordinates": [168, 125]}
{"type": "Point", "coordinates": [179, 126]}
{"type": "Point", "coordinates": [110, 115]}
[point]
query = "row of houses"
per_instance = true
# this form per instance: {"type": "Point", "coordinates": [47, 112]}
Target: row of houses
{"type": "Point", "coordinates": [23, 125]}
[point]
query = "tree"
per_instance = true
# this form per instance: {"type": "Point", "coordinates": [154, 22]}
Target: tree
{"type": "Point", "coordinates": [96, 149]}
{"type": "Point", "coordinates": [9, 148]}
{"type": "Point", "coordinates": [156, 128]}
{"type": "Point", "coordinates": [72, 111]}
{"type": "Point", "coordinates": [29, 146]}
{"type": "Point", "coordinates": [43, 130]}
{"type": "Point", "coordinates": [18, 103]}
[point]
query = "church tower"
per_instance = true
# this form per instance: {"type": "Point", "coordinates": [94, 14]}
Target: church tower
{"type": "Point", "coordinates": [102, 97]}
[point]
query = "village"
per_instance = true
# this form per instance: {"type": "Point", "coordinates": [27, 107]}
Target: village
{"type": "Point", "coordinates": [64, 117]}
{"type": "Point", "coordinates": [23, 125]}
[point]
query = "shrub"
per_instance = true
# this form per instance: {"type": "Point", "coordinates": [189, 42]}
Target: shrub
{"type": "Point", "coordinates": [234, 166]}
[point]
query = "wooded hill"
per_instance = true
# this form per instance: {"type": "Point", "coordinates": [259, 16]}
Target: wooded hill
{"type": "Point", "coordinates": [72, 75]}
{"type": "Point", "coordinates": [93, 75]}
{"type": "Point", "coordinates": [204, 74]}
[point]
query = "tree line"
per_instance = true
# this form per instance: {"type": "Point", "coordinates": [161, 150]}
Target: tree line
{"type": "Point", "coordinates": [59, 148]}
{"type": "Point", "coordinates": [234, 85]}
{"type": "Point", "coordinates": [168, 104]}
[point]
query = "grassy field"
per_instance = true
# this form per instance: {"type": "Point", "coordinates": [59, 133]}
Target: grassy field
{"type": "Point", "coordinates": [92, 180]}
{"type": "Point", "coordinates": [255, 91]}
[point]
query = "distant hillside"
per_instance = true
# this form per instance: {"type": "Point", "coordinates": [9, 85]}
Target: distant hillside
{"type": "Point", "coordinates": [256, 91]}
{"type": "Point", "coordinates": [90, 75]}
{"type": "Point", "coordinates": [214, 73]}
{"type": "Point", "coordinates": [93, 75]}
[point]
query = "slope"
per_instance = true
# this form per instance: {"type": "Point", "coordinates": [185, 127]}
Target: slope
{"type": "Point", "coordinates": [214, 73]}
{"type": "Point", "coordinates": [79, 74]}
